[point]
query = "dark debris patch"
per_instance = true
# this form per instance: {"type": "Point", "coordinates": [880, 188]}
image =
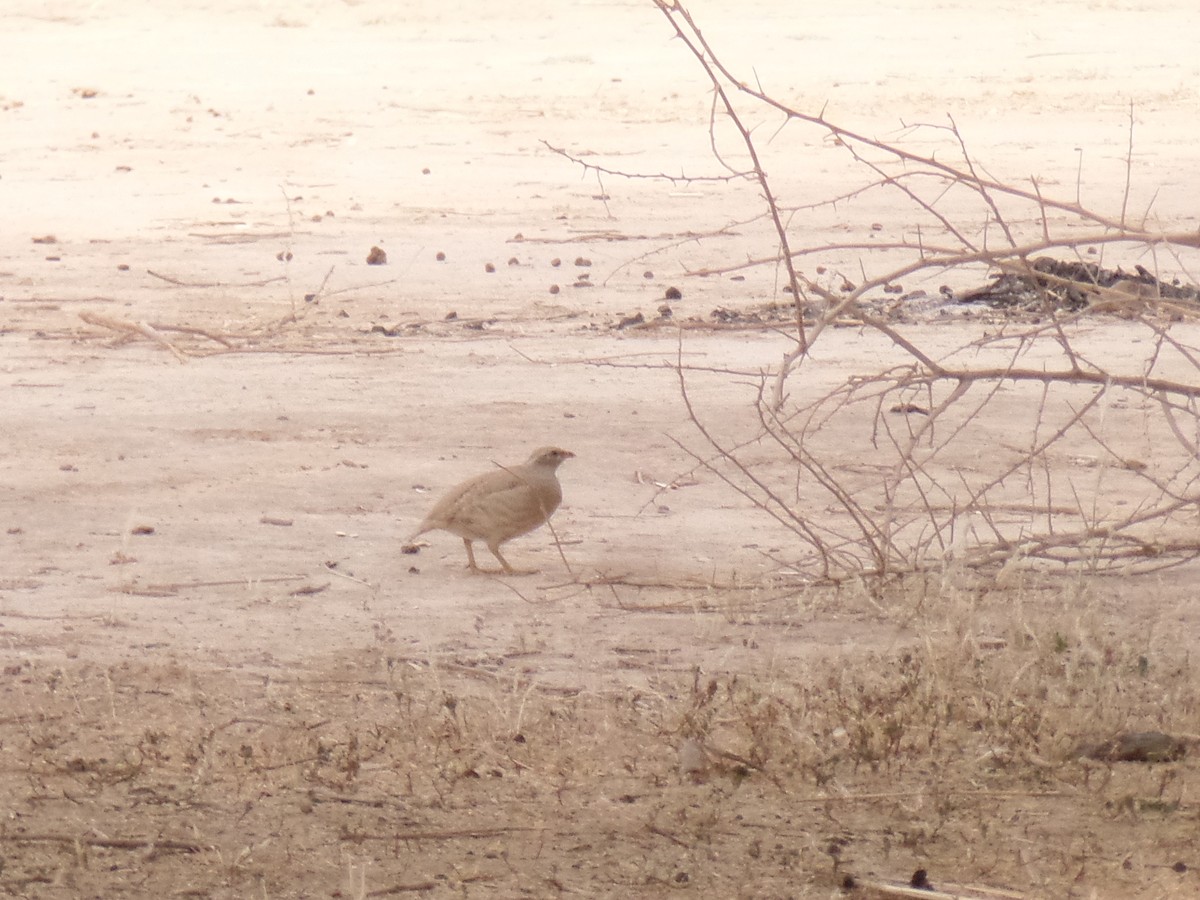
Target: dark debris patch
{"type": "Point", "coordinates": [1072, 285]}
{"type": "Point", "coordinates": [768, 314]}
{"type": "Point", "coordinates": [1136, 746]}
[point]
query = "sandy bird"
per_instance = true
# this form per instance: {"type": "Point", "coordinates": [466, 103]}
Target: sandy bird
{"type": "Point", "coordinates": [498, 506]}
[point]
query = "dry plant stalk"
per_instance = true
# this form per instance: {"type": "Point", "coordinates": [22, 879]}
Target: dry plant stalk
{"type": "Point", "coordinates": [1033, 392]}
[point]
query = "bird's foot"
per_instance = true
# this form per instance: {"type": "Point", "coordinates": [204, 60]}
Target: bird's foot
{"type": "Point", "coordinates": [479, 570]}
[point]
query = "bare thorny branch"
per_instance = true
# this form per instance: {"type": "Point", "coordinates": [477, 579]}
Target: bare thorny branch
{"type": "Point", "coordinates": [1038, 396]}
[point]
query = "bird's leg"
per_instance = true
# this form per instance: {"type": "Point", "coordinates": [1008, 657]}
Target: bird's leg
{"type": "Point", "coordinates": [470, 556]}
{"type": "Point", "coordinates": [495, 548]}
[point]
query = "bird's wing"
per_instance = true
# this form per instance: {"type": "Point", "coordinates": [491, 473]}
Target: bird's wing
{"type": "Point", "coordinates": [497, 505]}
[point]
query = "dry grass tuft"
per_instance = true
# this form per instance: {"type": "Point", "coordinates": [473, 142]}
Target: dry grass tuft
{"type": "Point", "coordinates": [376, 776]}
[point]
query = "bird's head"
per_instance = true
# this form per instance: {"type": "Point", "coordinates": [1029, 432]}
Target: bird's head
{"type": "Point", "coordinates": [549, 457]}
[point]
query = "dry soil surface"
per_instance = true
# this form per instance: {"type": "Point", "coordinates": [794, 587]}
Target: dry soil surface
{"type": "Point", "coordinates": [220, 676]}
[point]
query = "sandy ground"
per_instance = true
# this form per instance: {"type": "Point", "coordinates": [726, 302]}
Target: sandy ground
{"type": "Point", "coordinates": [203, 547]}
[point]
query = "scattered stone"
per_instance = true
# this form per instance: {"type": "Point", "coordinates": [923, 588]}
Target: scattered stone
{"type": "Point", "coordinates": [673, 293]}
{"type": "Point", "coordinates": [376, 257]}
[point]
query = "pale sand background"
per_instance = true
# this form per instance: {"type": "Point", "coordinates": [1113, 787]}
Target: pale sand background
{"type": "Point", "coordinates": [208, 116]}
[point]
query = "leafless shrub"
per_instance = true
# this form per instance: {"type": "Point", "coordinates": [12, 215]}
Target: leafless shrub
{"type": "Point", "coordinates": [1072, 433]}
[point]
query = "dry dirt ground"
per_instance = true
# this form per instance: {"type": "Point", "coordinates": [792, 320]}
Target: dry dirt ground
{"type": "Point", "coordinates": [221, 678]}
